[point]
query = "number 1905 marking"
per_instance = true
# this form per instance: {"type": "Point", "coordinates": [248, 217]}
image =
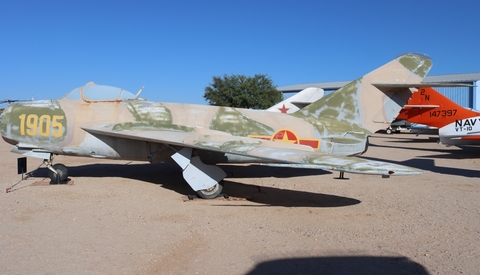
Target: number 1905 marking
{"type": "Point", "coordinates": [45, 125]}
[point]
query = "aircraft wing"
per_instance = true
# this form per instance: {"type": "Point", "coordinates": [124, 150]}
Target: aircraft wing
{"type": "Point", "coordinates": [280, 153]}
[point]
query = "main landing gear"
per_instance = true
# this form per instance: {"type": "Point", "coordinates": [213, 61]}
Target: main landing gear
{"type": "Point", "coordinates": [58, 173]}
{"type": "Point", "coordinates": [211, 192]}
{"type": "Point", "coordinates": [206, 180]}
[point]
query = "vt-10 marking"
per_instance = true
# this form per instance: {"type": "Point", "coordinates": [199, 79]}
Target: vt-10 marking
{"type": "Point", "coordinates": [461, 125]}
{"type": "Point", "coordinates": [108, 122]}
{"type": "Point", "coordinates": [461, 132]}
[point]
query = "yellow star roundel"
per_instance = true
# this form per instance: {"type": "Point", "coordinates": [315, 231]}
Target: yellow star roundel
{"type": "Point", "coordinates": [286, 135]}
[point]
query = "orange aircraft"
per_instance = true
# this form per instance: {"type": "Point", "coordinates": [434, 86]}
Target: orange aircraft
{"type": "Point", "coordinates": [456, 124]}
{"type": "Point", "coordinates": [431, 108]}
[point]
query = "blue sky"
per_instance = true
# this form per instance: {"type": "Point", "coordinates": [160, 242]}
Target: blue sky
{"type": "Point", "coordinates": [174, 48]}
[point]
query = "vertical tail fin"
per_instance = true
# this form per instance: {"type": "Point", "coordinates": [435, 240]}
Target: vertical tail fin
{"type": "Point", "coordinates": [371, 102]}
{"type": "Point", "coordinates": [431, 108]}
{"type": "Point", "coordinates": [298, 101]}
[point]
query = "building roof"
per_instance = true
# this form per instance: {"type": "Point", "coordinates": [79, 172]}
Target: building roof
{"type": "Point", "coordinates": [469, 77]}
{"type": "Point", "coordinates": [455, 78]}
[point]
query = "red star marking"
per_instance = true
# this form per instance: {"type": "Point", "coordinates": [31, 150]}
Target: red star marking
{"type": "Point", "coordinates": [283, 109]}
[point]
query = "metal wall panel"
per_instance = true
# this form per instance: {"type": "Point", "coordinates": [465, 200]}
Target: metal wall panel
{"type": "Point", "coordinates": [463, 96]}
{"type": "Point", "coordinates": [476, 95]}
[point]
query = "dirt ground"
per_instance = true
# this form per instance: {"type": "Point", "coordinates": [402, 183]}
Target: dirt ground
{"type": "Point", "coordinates": [121, 217]}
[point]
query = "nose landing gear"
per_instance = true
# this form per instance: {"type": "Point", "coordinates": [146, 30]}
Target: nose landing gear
{"type": "Point", "coordinates": [58, 173]}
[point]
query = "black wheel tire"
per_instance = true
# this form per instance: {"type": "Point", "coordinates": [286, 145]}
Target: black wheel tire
{"type": "Point", "coordinates": [211, 193]}
{"type": "Point", "coordinates": [62, 174]}
{"type": "Point", "coordinates": [389, 131]}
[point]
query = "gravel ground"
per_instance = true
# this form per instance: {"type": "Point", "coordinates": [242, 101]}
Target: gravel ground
{"type": "Point", "coordinates": [120, 217]}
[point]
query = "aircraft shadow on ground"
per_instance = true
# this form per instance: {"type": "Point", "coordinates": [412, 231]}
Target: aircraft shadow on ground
{"type": "Point", "coordinates": [346, 265]}
{"type": "Point", "coordinates": [429, 165]}
{"type": "Point", "coordinates": [169, 176]}
{"type": "Point", "coordinates": [457, 152]}
{"type": "Point", "coordinates": [393, 138]}
{"type": "Point", "coordinates": [271, 196]}
{"type": "Point", "coordinates": [447, 153]}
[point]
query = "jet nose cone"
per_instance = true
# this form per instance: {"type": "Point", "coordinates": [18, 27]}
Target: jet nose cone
{"type": "Point", "coordinates": [4, 119]}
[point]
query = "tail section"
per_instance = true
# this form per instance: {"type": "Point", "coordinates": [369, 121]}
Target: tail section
{"type": "Point", "coordinates": [431, 108]}
{"type": "Point", "coordinates": [297, 101]}
{"type": "Point", "coordinates": [371, 102]}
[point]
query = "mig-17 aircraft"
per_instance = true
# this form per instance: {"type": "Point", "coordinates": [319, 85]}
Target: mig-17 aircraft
{"type": "Point", "coordinates": [111, 123]}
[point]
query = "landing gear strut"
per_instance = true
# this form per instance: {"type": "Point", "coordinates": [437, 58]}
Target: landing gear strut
{"type": "Point", "coordinates": [342, 176]}
{"type": "Point", "coordinates": [58, 173]}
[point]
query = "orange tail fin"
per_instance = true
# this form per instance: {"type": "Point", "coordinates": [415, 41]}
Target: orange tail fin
{"type": "Point", "coordinates": [431, 108]}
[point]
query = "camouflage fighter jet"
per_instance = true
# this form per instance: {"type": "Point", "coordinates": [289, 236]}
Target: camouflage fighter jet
{"type": "Point", "coordinates": [107, 122]}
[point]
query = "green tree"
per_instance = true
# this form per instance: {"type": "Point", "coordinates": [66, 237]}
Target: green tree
{"type": "Point", "coordinates": [240, 91]}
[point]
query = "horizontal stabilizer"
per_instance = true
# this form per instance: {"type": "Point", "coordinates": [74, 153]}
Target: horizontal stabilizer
{"type": "Point", "coordinates": [420, 106]}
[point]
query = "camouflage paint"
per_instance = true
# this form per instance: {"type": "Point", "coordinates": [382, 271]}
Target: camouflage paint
{"type": "Point", "coordinates": [145, 125]}
{"type": "Point", "coordinates": [233, 122]}
{"type": "Point", "coordinates": [148, 112]}
{"type": "Point", "coordinates": [337, 113]}
{"type": "Point", "coordinates": [419, 65]}
{"type": "Point", "coordinates": [340, 106]}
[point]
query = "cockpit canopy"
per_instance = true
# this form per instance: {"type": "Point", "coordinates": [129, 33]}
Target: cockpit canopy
{"type": "Point", "coordinates": [92, 92]}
